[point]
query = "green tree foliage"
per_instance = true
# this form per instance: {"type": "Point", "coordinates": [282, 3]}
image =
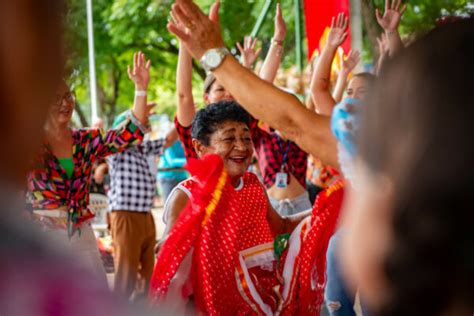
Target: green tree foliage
{"type": "Point", "coordinates": [124, 26]}
{"type": "Point", "coordinates": [420, 17]}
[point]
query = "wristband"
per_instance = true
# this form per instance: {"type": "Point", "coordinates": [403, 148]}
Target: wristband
{"type": "Point", "coordinates": [277, 42]}
{"type": "Point", "coordinates": [140, 93]}
{"type": "Point", "coordinates": [278, 46]}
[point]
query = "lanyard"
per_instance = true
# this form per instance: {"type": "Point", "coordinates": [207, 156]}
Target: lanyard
{"type": "Point", "coordinates": [285, 153]}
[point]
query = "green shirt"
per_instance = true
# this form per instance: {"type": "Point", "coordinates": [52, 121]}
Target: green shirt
{"type": "Point", "coordinates": [68, 165]}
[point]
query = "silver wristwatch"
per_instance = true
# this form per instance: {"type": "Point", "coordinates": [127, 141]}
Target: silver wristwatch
{"type": "Point", "coordinates": [213, 58]}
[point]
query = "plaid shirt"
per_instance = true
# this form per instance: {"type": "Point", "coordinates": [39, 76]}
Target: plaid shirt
{"type": "Point", "coordinates": [268, 151]}
{"type": "Point", "coordinates": [132, 183]}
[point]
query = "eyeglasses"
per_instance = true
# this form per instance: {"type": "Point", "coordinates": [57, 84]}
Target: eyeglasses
{"type": "Point", "coordinates": [68, 96]}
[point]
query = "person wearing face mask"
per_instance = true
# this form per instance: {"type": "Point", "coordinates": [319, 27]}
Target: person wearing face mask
{"type": "Point", "coordinates": [58, 185]}
{"type": "Point", "coordinates": [283, 163]}
{"type": "Point", "coordinates": [345, 123]}
{"type": "Point", "coordinates": [237, 232]}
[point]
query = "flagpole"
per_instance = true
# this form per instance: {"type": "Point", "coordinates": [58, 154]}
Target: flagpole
{"type": "Point", "coordinates": [261, 18]}
{"type": "Point", "coordinates": [356, 29]}
{"type": "Point", "coordinates": [92, 76]}
{"type": "Point", "coordinates": [298, 40]}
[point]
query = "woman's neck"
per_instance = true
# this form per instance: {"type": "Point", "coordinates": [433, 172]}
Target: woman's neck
{"type": "Point", "coordinates": [236, 181]}
{"type": "Point", "coordinates": [56, 129]}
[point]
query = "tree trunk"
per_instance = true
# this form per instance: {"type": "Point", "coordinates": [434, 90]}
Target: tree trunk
{"type": "Point", "coordinates": [370, 24]}
{"type": "Point", "coordinates": [82, 117]}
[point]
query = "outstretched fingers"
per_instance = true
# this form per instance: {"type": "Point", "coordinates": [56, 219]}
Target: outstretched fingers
{"type": "Point", "coordinates": [181, 34]}
{"type": "Point", "coordinates": [240, 48]}
{"type": "Point", "coordinates": [181, 16]}
{"type": "Point", "coordinates": [404, 8]}
{"type": "Point", "coordinates": [378, 16]}
{"type": "Point", "coordinates": [346, 22]}
{"type": "Point", "coordinates": [192, 11]}
{"type": "Point", "coordinates": [278, 11]}
{"type": "Point", "coordinates": [214, 12]}
{"type": "Point", "coordinates": [254, 44]}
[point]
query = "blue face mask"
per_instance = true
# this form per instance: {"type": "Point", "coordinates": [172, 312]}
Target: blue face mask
{"type": "Point", "coordinates": [345, 123]}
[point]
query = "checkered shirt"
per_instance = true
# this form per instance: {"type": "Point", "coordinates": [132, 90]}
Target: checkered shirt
{"type": "Point", "coordinates": [267, 150]}
{"type": "Point", "coordinates": [132, 183]}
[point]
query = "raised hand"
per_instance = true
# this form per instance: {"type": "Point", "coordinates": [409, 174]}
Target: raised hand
{"type": "Point", "coordinates": [140, 73]}
{"type": "Point", "coordinates": [351, 61]}
{"type": "Point", "coordinates": [249, 52]}
{"type": "Point", "coordinates": [392, 15]}
{"type": "Point", "coordinates": [202, 32]}
{"type": "Point", "coordinates": [280, 25]}
{"type": "Point", "coordinates": [338, 32]}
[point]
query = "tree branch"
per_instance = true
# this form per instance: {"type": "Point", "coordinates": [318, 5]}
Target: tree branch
{"type": "Point", "coordinates": [82, 117]}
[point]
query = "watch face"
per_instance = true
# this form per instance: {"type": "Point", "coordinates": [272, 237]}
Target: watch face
{"type": "Point", "coordinates": [213, 59]}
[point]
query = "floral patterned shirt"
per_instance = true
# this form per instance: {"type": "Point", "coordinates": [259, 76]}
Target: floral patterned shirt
{"type": "Point", "coordinates": [49, 187]}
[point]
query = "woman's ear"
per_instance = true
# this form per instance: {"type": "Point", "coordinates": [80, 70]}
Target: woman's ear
{"type": "Point", "coordinates": [206, 98]}
{"type": "Point", "coordinates": [198, 147]}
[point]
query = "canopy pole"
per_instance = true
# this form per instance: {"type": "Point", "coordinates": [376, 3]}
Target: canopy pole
{"type": "Point", "coordinates": [298, 39]}
{"type": "Point", "coordinates": [356, 30]}
{"type": "Point", "coordinates": [92, 76]}
{"type": "Point", "coordinates": [261, 18]}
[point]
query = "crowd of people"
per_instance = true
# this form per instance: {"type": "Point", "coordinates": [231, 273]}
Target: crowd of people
{"type": "Point", "coordinates": [298, 193]}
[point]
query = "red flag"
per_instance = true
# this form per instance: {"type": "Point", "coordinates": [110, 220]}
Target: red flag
{"type": "Point", "coordinates": [318, 15]}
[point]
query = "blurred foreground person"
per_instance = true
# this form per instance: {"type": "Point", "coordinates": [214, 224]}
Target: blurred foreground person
{"type": "Point", "coordinates": [36, 278]}
{"type": "Point", "coordinates": [413, 207]}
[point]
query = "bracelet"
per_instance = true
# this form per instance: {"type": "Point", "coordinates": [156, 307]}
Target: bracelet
{"type": "Point", "coordinates": [140, 93]}
{"type": "Point", "coordinates": [277, 42]}
{"type": "Point", "coordinates": [278, 46]}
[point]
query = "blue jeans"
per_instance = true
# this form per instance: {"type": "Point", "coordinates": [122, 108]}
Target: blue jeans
{"type": "Point", "coordinates": [339, 301]}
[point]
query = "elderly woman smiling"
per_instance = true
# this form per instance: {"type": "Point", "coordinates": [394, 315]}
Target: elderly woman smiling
{"type": "Point", "coordinates": [242, 224]}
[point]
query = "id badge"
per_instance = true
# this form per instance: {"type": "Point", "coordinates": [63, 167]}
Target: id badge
{"type": "Point", "coordinates": [281, 180]}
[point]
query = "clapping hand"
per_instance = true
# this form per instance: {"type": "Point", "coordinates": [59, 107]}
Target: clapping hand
{"type": "Point", "coordinates": [140, 73]}
{"type": "Point", "coordinates": [338, 32]}
{"type": "Point", "coordinates": [392, 15]}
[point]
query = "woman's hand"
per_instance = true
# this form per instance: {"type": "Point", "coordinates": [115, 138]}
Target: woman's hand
{"type": "Point", "coordinates": [338, 32]}
{"type": "Point", "coordinates": [392, 15]}
{"type": "Point", "coordinates": [350, 62]}
{"type": "Point", "coordinates": [202, 32]}
{"type": "Point", "coordinates": [140, 73]}
{"type": "Point", "coordinates": [249, 52]}
{"type": "Point", "coordinates": [280, 26]}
